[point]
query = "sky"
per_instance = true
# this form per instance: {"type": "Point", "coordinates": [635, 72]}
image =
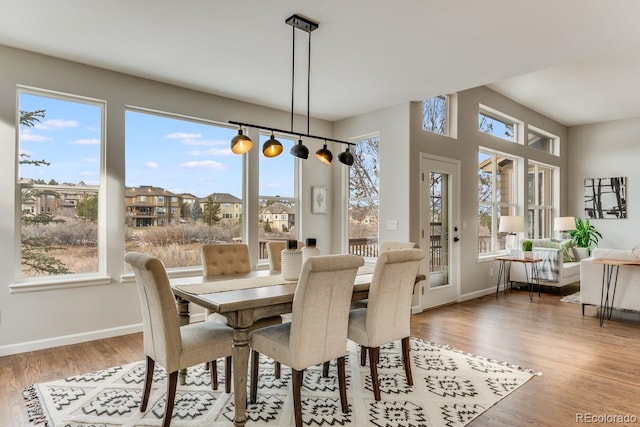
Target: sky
{"type": "Point", "coordinates": [181, 156]}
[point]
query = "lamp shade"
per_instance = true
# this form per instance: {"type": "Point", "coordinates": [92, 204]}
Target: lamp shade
{"type": "Point", "coordinates": [564, 223]}
{"type": "Point", "coordinates": [324, 155]}
{"type": "Point", "coordinates": [299, 150]}
{"type": "Point", "coordinates": [346, 157]}
{"type": "Point", "coordinates": [240, 143]}
{"type": "Point", "coordinates": [511, 224]}
{"type": "Point", "coordinates": [272, 147]}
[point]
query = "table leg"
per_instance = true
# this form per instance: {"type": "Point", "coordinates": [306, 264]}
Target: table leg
{"type": "Point", "coordinates": [606, 308]}
{"type": "Point", "coordinates": [185, 318]}
{"type": "Point", "coordinates": [535, 275]}
{"type": "Point", "coordinates": [500, 273]}
{"type": "Point", "coordinates": [240, 354]}
{"type": "Point", "coordinates": [529, 284]}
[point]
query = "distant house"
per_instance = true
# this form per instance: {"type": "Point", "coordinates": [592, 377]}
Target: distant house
{"type": "Point", "coordinates": [279, 216]}
{"type": "Point", "coordinates": [54, 199]}
{"type": "Point", "coordinates": [230, 205]}
{"type": "Point", "coordinates": [148, 206]}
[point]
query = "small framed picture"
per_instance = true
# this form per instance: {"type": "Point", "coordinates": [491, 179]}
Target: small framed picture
{"type": "Point", "coordinates": [319, 199]}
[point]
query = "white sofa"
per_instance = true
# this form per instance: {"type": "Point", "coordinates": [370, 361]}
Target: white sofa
{"type": "Point", "coordinates": [566, 273]}
{"type": "Point", "coordinates": [627, 294]}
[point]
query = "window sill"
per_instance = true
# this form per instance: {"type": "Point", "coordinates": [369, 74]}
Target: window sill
{"type": "Point", "coordinates": [59, 283]}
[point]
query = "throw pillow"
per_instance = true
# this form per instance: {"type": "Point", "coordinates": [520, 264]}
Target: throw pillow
{"type": "Point", "coordinates": [565, 247]}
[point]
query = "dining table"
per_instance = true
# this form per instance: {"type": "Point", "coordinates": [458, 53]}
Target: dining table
{"type": "Point", "coordinates": [244, 299]}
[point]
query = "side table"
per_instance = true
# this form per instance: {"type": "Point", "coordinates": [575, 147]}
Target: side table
{"type": "Point", "coordinates": [505, 268]}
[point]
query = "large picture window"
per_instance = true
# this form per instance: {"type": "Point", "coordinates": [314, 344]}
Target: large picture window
{"type": "Point", "coordinates": [364, 198]}
{"type": "Point", "coordinates": [183, 187]}
{"type": "Point", "coordinates": [278, 199]}
{"type": "Point", "coordinates": [60, 152]}
{"type": "Point", "coordinates": [497, 196]}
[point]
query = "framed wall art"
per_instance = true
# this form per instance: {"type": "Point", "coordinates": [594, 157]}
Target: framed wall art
{"type": "Point", "coordinates": [605, 198]}
{"type": "Point", "coordinates": [319, 199]}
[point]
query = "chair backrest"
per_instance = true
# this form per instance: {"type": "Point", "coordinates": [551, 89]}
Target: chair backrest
{"type": "Point", "coordinates": [160, 320]}
{"type": "Point", "coordinates": [274, 253]}
{"type": "Point", "coordinates": [395, 246]}
{"type": "Point", "coordinates": [320, 313]}
{"type": "Point", "coordinates": [389, 304]}
{"type": "Point", "coordinates": [225, 258]}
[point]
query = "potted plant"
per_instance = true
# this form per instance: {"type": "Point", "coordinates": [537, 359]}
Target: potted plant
{"type": "Point", "coordinates": [527, 248]}
{"type": "Point", "coordinates": [585, 235]}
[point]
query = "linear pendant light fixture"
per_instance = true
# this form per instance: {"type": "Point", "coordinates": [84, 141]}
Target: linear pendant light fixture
{"type": "Point", "coordinates": [241, 143]}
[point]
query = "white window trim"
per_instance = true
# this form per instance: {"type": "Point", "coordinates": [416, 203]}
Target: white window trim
{"type": "Point", "coordinates": [556, 139]}
{"type": "Point", "coordinates": [518, 125]}
{"type": "Point", "coordinates": [555, 171]}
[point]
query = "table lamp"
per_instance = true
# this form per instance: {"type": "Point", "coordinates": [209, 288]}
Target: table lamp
{"type": "Point", "coordinates": [511, 225]}
{"type": "Point", "coordinates": [564, 224]}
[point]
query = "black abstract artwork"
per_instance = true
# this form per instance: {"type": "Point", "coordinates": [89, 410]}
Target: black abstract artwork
{"type": "Point", "coordinates": [605, 198]}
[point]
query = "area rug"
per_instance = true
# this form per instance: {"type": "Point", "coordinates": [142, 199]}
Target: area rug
{"type": "Point", "coordinates": [574, 298]}
{"type": "Point", "coordinates": [451, 388]}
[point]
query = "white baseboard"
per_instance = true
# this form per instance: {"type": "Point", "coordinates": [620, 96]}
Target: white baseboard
{"type": "Point", "coordinates": [465, 297]}
{"type": "Point", "coordinates": [23, 347]}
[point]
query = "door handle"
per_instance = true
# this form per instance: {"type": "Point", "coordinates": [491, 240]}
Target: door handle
{"type": "Point", "coordinates": [456, 239]}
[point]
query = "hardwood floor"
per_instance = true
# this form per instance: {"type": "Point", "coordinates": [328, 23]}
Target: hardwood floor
{"type": "Point", "coordinates": [586, 368]}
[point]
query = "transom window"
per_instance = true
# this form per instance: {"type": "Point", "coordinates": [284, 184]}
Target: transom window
{"type": "Point", "coordinates": [543, 141]}
{"type": "Point", "coordinates": [497, 124]}
{"type": "Point", "coordinates": [497, 196]}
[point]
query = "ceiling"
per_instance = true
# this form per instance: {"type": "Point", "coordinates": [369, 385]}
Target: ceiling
{"type": "Point", "coordinates": [576, 61]}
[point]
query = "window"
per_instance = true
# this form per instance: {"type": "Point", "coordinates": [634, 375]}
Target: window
{"type": "Point", "coordinates": [540, 184]}
{"type": "Point", "coordinates": [543, 141]}
{"type": "Point", "coordinates": [497, 124]}
{"type": "Point", "coordinates": [188, 160]}
{"type": "Point", "coordinates": [497, 187]}
{"type": "Point", "coordinates": [435, 112]}
{"type": "Point", "coordinates": [61, 142]}
{"type": "Point", "coordinates": [364, 198]}
{"type": "Point", "coordinates": [278, 199]}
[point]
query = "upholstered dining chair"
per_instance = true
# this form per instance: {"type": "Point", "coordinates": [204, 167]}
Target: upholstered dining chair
{"type": "Point", "coordinates": [387, 317]}
{"type": "Point", "coordinates": [385, 247]}
{"type": "Point", "coordinates": [318, 329]}
{"type": "Point", "coordinates": [229, 258]}
{"type": "Point", "coordinates": [165, 341]}
{"type": "Point", "coordinates": [274, 253]}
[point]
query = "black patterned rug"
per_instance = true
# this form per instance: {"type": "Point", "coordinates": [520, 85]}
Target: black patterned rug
{"type": "Point", "coordinates": [451, 388]}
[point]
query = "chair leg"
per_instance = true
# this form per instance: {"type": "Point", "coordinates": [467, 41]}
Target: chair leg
{"type": "Point", "coordinates": [255, 359]}
{"type": "Point", "coordinates": [363, 355]}
{"type": "Point", "coordinates": [374, 356]}
{"type": "Point", "coordinates": [148, 379]}
{"type": "Point", "coordinates": [325, 369]}
{"type": "Point", "coordinates": [214, 374]}
{"type": "Point", "coordinates": [227, 375]}
{"type": "Point", "coordinates": [342, 383]}
{"type": "Point", "coordinates": [278, 370]}
{"type": "Point", "coordinates": [172, 383]}
{"type": "Point", "coordinates": [298, 377]}
{"type": "Point", "coordinates": [406, 359]}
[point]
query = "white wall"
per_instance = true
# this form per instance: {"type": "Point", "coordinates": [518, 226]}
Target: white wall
{"type": "Point", "coordinates": [41, 319]}
{"type": "Point", "coordinates": [604, 150]}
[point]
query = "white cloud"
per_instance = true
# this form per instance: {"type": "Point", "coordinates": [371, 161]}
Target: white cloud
{"type": "Point", "coordinates": [220, 151]}
{"type": "Point", "coordinates": [26, 136]}
{"type": "Point", "coordinates": [92, 141]}
{"type": "Point", "coordinates": [182, 135]}
{"type": "Point", "coordinates": [151, 165]}
{"type": "Point", "coordinates": [206, 164]}
{"type": "Point", "coordinates": [57, 124]}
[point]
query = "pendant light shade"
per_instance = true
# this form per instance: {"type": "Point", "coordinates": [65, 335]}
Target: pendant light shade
{"type": "Point", "coordinates": [346, 157]}
{"type": "Point", "coordinates": [240, 143]}
{"type": "Point", "coordinates": [300, 150]}
{"type": "Point", "coordinates": [272, 147]}
{"type": "Point", "coordinates": [324, 155]}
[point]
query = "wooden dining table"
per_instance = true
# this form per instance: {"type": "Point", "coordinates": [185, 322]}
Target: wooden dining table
{"type": "Point", "coordinates": [244, 299]}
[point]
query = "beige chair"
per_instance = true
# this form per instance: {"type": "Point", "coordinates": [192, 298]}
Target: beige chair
{"type": "Point", "coordinates": [317, 332]}
{"type": "Point", "coordinates": [165, 341]}
{"type": "Point", "coordinates": [385, 247]}
{"type": "Point", "coordinates": [387, 317]}
{"type": "Point", "coordinates": [274, 253]}
{"type": "Point", "coordinates": [230, 258]}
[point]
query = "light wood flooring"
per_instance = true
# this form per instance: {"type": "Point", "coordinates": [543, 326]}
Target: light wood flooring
{"type": "Point", "coordinates": [586, 368]}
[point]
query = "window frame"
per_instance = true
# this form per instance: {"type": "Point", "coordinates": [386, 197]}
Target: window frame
{"type": "Point", "coordinates": [518, 125]}
{"type": "Point", "coordinates": [554, 140]}
{"type": "Point", "coordinates": [496, 206]}
{"type": "Point", "coordinates": [72, 280]}
{"type": "Point", "coordinates": [447, 115]}
{"type": "Point", "coordinates": [536, 210]}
